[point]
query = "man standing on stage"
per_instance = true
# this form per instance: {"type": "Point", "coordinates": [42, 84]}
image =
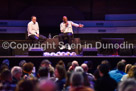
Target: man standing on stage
{"type": "Point", "coordinates": [33, 30]}
{"type": "Point", "coordinates": [67, 31]}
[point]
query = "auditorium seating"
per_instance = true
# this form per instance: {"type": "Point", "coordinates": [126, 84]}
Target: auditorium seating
{"type": "Point", "coordinates": [120, 17]}
{"type": "Point", "coordinates": [113, 24]}
{"type": "Point", "coordinates": [13, 26]}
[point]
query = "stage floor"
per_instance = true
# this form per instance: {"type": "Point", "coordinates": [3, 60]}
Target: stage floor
{"type": "Point", "coordinates": [24, 56]}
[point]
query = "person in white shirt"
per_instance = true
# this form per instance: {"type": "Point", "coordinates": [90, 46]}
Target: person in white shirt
{"type": "Point", "coordinates": [33, 30]}
{"type": "Point", "coordinates": [67, 31]}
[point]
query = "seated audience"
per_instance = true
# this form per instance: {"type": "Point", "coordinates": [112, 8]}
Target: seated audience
{"type": "Point", "coordinates": [6, 81]}
{"type": "Point", "coordinates": [89, 75]}
{"type": "Point", "coordinates": [47, 85]}
{"type": "Point", "coordinates": [27, 85]}
{"type": "Point", "coordinates": [60, 74]}
{"type": "Point", "coordinates": [21, 63]}
{"type": "Point", "coordinates": [90, 66]}
{"type": "Point", "coordinates": [61, 63]}
{"type": "Point", "coordinates": [127, 85]}
{"type": "Point", "coordinates": [77, 82]}
{"type": "Point", "coordinates": [74, 64]}
{"type": "Point", "coordinates": [27, 70]}
{"type": "Point", "coordinates": [47, 63]}
{"type": "Point", "coordinates": [67, 85]}
{"type": "Point", "coordinates": [16, 72]}
{"type": "Point", "coordinates": [105, 83]}
{"type": "Point", "coordinates": [119, 72]}
{"type": "Point", "coordinates": [43, 73]}
{"type": "Point", "coordinates": [127, 67]}
{"type": "Point", "coordinates": [131, 73]}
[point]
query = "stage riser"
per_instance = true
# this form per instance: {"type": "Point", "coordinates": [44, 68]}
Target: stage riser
{"type": "Point", "coordinates": [120, 17]}
{"type": "Point", "coordinates": [105, 30]}
{"type": "Point", "coordinates": [13, 23]}
{"type": "Point", "coordinates": [131, 23]}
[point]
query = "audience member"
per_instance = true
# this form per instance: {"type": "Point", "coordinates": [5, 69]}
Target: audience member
{"type": "Point", "coordinates": [47, 85]}
{"type": "Point", "coordinates": [127, 85]}
{"type": "Point", "coordinates": [89, 75]}
{"type": "Point", "coordinates": [27, 70]}
{"type": "Point", "coordinates": [119, 72]}
{"type": "Point", "coordinates": [27, 85]}
{"type": "Point", "coordinates": [16, 72]}
{"type": "Point", "coordinates": [105, 83]}
{"type": "Point", "coordinates": [46, 63]}
{"type": "Point", "coordinates": [6, 81]}
{"type": "Point", "coordinates": [73, 66]}
{"type": "Point", "coordinates": [60, 74]}
{"type": "Point", "coordinates": [77, 82]}
{"type": "Point", "coordinates": [43, 73]}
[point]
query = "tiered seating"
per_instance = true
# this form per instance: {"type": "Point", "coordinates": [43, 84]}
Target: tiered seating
{"type": "Point", "coordinates": [120, 17]}
{"type": "Point", "coordinates": [123, 23]}
{"type": "Point", "coordinates": [13, 26]}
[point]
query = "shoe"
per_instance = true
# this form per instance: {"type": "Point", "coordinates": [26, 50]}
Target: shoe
{"type": "Point", "coordinates": [69, 48]}
{"type": "Point", "coordinates": [62, 47]}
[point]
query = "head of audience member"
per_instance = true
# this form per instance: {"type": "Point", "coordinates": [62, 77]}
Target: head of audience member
{"type": "Point", "coordinates": [21, 63]}
{"type": "Point", "coordinates": [33, 18]}
{"type": "Point", "coordinates": [123, 60]}
{"type": "Point", "coordinates": [43, 72]}
{"type": "Point", "coordinates": [61, 63]}
{"type": "Point", "coordinates": [103, 70]}
{"type": "Point", "coordinates": [47, 85]}
{"type": "Point", "coordinates": [45, 63]}
{"type": "Point", "coordinates": [28, 67]}
{"type": "Point", "coordinates": [106, 62]}
{"type": "Point", "coordinates": [60, 72]}
{"type": "Point", "coordinates": [121, 66]}
{"type": "Point", "coordinates": [79, 69]}
{"type": "Point", "coordinates": [77, 79]}
{"type": "Point", "coordinates": [26, 85]}
{"type": "Point", "coordinates": [85, 67]}
{"type": "Point", "coordinates": [127, 67]}
{"type": "Point", "coordinates": [6, 76]}
{"type": "Point", "coordinates": [127, 85]}
{"type": "Point", "coordinates": [16, 72]}
{"type": "Point", "coordinates": [132, 72]}
{"type": "Point", "coordinates": [3, 66]}
{"type": "Point", "coordinates": [74, 64]}
{"type": "Point", "coordinates": [65, 19]}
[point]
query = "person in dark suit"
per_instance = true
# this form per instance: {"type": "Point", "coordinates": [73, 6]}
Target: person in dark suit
{"type": "Point", "coordinates": [105, 82]}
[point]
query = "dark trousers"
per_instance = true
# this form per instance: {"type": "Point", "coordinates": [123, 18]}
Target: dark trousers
{"type": "Point", "coordinates": [35, 38]}
{"type": "Point", "coordinates": [66, 37]}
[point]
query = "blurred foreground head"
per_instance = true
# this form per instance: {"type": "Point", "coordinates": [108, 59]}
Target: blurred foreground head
{"type": "Point", "coordinates": [127, 85]}
{"type": "Point", "coordinates": [47, 85]}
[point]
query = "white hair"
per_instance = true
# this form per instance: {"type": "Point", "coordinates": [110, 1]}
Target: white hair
{"type": "Point", "coordinates": [127, 85]}
{"type": "Point", "coordinates": [78, 69]}
{"type": "Point", "coordinates": [15, 70]}
{"type": "Point", "coordinates": [77, 79]}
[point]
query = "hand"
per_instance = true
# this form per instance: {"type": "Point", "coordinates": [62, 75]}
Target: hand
{"type": "Point", "coordinates": [37, 35]}
{"type": "Point", "coordinates": [62, 31]}
{"type": "Point", "coordinates": [81, 25]}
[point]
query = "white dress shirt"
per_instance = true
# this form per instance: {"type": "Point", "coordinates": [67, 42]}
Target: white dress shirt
{"type": "Point", "coordinates": [33, 29]}
{"type": "Point", "coordinates": [68, 28]}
